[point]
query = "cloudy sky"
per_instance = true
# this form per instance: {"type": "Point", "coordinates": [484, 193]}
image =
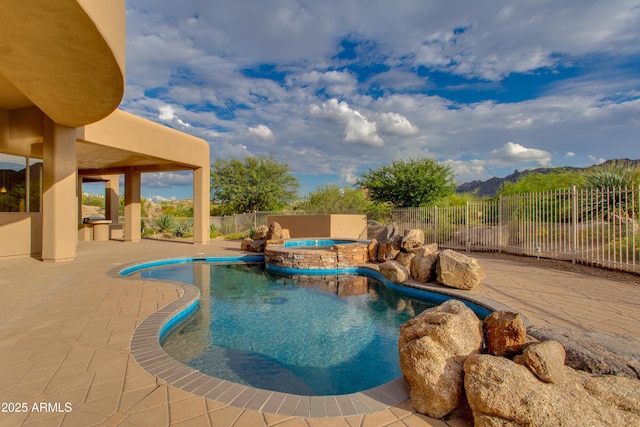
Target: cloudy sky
{"type": "Point", "coordinates": [334, 88]}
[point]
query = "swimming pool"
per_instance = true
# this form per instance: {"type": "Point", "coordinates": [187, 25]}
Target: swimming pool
{"type": "Point", "coordinates": [300, 334]}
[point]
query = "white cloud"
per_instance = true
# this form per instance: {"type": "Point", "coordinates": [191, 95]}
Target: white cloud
{"type": "Point", "coordinates": [187, 67]}
{"type": "Point", "coordinates": [512, 154]}
{"type": "Point", "coordinates": [167, 179]}
{"type": "Point", "coordinates": [468, 170]}
{"type": "Point", "coordinates": [334, 83]}
{"type": "Point", "coordinates": [570, 154]}
{"type": "Point", "coordinates": [596, 160]}
{"type": "Point", "coordinates": [167, 114]}
{"type": "Point", "coordinates": [262, 132]}
{"type": "Point", "coordinates": [158, 198]}
{"type": "Point", "coordinates": [395, 123]}
{"type": "Point", "coordinates": [356, 126]}
{"type": "Point", "coordinates": [349, 175]}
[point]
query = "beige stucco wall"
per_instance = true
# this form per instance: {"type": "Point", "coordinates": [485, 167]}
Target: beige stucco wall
{"type": "Point", "coordinates": [62, 75]}
{"type": "Point", "coordinates": [128, 132]}
{"type": "Point", "coordinates": [349, 226]}
{"type": "Point", "coordinates": [20, 234]}
{"type": "Point", "coordinates": [66, 57]}
{"type": "Point", "coordinates": [300, 226]}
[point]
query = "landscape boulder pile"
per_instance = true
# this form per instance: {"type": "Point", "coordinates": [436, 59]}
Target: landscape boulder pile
{"type": "Point", "coordinates": [264, 235]}
{"type": "Point", "coordinates": [400, 257]}
{"type": "Point", "coordinates": [454, 364]}
{"type": "Point", "coordinates": [407, 257]}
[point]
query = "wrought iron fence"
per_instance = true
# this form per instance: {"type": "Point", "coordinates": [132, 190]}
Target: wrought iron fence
{"type": "Point", "coordinates": [242, 223]}
{"type": "Point", "coordinates": [598, 227]}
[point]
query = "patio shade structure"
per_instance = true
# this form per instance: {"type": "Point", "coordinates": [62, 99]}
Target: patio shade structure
{"type": "Point", "coordinates": [62, 78]}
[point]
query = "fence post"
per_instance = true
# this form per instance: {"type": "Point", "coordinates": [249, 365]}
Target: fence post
{"type": "Point", "coordinates": [466, 226]}
{"type": "Point", "coordinates": [435, 228]}
{"type": "Point", "coordinates": [574, 224]}
{"type": "Point", "coordinates": [500, 224]}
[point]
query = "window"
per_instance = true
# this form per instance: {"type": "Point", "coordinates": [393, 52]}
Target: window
{"type": "Point", "coordinates": [21, 176]}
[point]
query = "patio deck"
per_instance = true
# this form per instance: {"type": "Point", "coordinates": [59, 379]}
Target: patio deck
{"type": "Point", "coordinates": [65, 330]}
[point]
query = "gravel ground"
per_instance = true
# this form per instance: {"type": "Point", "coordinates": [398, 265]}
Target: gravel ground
{"type": "Point", "coordinates": [620, 276]}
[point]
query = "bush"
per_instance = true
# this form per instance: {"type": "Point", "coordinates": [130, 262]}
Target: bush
{"type": "Point", "coordinates": [214, 232]}
{"type": "Point", "coordinates": [183, 228]}
{"type": "Point", "coordinates": [165, 223]}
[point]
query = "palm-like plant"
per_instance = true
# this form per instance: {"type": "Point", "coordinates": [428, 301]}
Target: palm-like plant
{"type": "Point", "coordinates": [614, 184]}
{"type": "Point", "coordinates": [165, 223]}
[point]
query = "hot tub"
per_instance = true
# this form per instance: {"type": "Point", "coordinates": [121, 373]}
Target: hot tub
{"type": "Point", "coordinates": [316, 254]}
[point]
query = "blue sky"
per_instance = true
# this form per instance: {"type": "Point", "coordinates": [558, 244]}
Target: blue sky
{"type": "Point", "coordinates": [334, 88]}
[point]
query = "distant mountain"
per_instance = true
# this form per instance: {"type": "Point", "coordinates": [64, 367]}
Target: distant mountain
{"type": "Point", "coordinates": [491, 186]}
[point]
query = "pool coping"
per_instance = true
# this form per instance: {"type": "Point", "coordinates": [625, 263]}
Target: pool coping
{"type": "Point", "coordinates": [147, 351]}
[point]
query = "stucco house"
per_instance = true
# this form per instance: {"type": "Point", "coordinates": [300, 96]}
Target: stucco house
{"type": "Point", "coordinates": [62, 77]}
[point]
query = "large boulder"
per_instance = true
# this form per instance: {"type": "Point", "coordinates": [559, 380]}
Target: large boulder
{"type": "Point", "coordinates": [394, 271]}
{"type": "Point", "coordinates": [275, 231]}
{"type": "Point", "coordinates": [377, 231]}
{"type": "Point", "coordinates": [503, 393]}
{"type": "Point", "coordinates": [255, 245]}
{"type": "Point", "coordinates": [260, 233]}
{"type": "Point", "coordinates": [546, 360]}
{"type": "Point", "coordinates": [433, 347]}
{"type": "Point", "coordinates": [458, 271]}
{"type": "Point", "coordinates": [412, 239]}
{"type": "Point", "coordinates": [405, 258]}
{"type": "Point", "coordinates": [372, 249]}
{"type": "Point", "coordinates": [595, 352]}
{"type": "Point", "coordinates": [389, 248]}
{"type": "Point", "coordinates": [504, 333]}
{"type": "Point", "coordinates": [423, 266]}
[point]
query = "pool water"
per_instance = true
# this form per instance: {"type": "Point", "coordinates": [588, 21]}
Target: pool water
{"type": "Point", "coordinates": [300, 334]}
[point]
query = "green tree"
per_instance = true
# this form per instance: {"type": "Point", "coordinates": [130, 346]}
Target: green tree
{"type": "Point", "coordinates": [416, 182]}
{"type": "Point", "coordinates": [331, 198]}
{"type": "Point", "coordinates": [258, 183]}
{"type": "Point", "coordinates": [536, 182]}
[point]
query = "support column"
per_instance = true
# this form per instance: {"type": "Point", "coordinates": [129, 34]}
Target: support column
{"type": "Point", "coordinates": [201, 194]}
{"type": "Point", "coordinates": [132, 217]}
{"type": "Point", "coordinates": [59, 196]}
{"type": "Point", "coordinates": [112, 197]}
{"type": "Point", "coordinates": [79, 193]}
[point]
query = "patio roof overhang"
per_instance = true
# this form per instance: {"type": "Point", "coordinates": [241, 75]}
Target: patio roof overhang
{"type": "Point", "coordinates": [123, 140]}
{"type": "Point", "coordinates": [66, 57]}
{"type": "Point", "coordinates": [118, 142]}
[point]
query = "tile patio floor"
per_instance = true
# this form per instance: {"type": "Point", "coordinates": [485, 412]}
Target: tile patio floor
{"type": "Point", "coordinates": [65, 330]}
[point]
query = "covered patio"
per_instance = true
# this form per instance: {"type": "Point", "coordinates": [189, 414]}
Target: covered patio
{"type": "Point", "coordinates": [61, 81]}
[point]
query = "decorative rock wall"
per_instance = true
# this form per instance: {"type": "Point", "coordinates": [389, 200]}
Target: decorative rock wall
{"type": "Point", "coordinates": [340, 256]}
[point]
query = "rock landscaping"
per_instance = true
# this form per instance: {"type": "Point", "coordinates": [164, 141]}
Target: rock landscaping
{"type": "Point", "coordinates": [424, 262]}
{"type": "Point", "coordinates": [400, 257]}
{"type": "Point", "coordinates": [454, 364]}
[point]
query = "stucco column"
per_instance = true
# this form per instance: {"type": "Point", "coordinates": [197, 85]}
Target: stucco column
{"type": "Point", "coordinates": [59, 194]}
{"type": "Point", "coordinates": [112, 198]}
{"type": "Point", "coordinates": [132, 205]}
{"type": "Point", "coordinates": [201, 190]}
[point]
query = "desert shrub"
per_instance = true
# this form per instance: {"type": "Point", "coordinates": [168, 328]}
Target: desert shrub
{"type": "Point", "coordinates": [214, 232]}
{"type": "Point", "coordinates": [183, 228]}
{"type": "Point", "coordinates": [165, 223]}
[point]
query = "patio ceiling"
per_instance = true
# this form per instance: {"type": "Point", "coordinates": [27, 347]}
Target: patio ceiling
{"type": "Point", "coordinates": [96, 158]}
